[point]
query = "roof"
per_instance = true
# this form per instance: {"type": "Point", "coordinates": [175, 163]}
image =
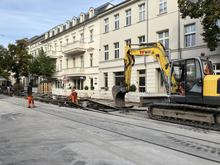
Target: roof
{"type": "Point", "coordinates": [98, 11]}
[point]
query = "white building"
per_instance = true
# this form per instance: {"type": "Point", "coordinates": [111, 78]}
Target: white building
{"type": "Point", "coordinates": [89, 51]}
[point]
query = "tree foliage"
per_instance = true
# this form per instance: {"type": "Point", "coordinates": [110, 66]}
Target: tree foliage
{"type": "Point", "coordinates": [4, 62]}
{"type": "Point", "coordinates": [209, 13]}
{"type": "Point", "coordinates": [20, 59]}
{"type": "Point", "coordinates": [42, 65]}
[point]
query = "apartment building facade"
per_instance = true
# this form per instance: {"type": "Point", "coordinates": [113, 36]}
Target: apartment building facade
{"type": "Point", "coordinates": [74, 47]}
{"type": "Point", "coordinates": [132, 21]}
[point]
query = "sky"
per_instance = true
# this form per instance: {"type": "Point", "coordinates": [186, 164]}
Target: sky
{"type": "Point", "coordinates": [27, 18]}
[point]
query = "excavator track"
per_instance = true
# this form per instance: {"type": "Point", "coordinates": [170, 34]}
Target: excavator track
{"type": "Point", "coordinates": [191, 115]}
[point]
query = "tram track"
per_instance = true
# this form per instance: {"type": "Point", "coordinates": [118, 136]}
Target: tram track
{"type": "Point", "coordinates": [209, 152]}
{"type": "Point", "coordinates": [196, 147]}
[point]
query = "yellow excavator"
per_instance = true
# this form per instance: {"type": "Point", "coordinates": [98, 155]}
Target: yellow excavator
{"type": "Point", "coordinates": [192, 88]}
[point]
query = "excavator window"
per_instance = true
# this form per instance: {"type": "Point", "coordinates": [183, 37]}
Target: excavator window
{"type": "Point", "coordinates": [190, 74]}
{"type": "Point", "coordinates": [178, 72]}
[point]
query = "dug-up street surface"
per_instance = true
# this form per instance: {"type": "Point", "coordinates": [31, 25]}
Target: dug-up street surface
{"type": "Point", "coordinates": [52, 135]}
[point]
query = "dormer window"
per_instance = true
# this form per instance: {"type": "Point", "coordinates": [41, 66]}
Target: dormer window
{"type": "Point", "coordinates": [91, 12]}
{"type": "Point", "coordinates": [58, 30]}
{"type": "Point", "coordinates": [82, 17]}
{"type": "Point", "coordinates": [74, 21]}
{"type": "Point", "coordinates": [46, 35]}
{"type": "Point", "coordinates": [67, 24]}
{"type": "Point", "coordinates": [51, 33]}
{"type": "Point", "coordinates": [64, 27]}
{"type": "Point", "coordinates": [61, 28]}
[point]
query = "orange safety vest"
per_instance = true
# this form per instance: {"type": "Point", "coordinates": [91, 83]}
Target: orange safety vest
{"type": "Point", "coordinates": [73, 97]}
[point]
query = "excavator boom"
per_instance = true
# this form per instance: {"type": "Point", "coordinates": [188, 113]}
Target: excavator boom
{"type": "Point", "coordinates": [155, 50]}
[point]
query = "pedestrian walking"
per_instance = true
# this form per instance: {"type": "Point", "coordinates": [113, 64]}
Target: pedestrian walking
{"type": "Point", "coordinates": [74, 96]}
{"type": "Point", "coordinates": [30, 96]}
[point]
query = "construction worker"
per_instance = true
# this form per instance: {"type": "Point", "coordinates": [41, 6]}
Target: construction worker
{"type": "Point", "coordinates": [73, 96]}
{"type": "Point", "coordinates": [207, 69]}
{"type": "Point", "coordinates": [30, 96]}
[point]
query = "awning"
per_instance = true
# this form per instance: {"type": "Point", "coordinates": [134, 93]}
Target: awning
{"type": "Point", "coordinates": [77, 77]}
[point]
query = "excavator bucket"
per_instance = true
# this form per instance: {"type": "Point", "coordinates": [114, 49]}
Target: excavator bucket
{"type": "Point", "coordinates": [118, 93]}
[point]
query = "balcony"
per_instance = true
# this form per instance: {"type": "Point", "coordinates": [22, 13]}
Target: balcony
{"type": "Point", "coordinates": [53, 54]}
{"type": "Point", "coordinates": [76, 47]}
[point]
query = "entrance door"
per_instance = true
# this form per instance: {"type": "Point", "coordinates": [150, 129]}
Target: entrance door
{"type": "Point", "coordinates": [193, 84]}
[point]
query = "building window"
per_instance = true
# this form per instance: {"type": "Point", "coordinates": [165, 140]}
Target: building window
{"type": "Point", "coordinates": [106, 80]}
{"type": "Point", "coordinates": [163, 6]}
{"type": "Point", "coordinates": [116, 21]}
{"type": "Point", "coordinates": [91, 35]}
{"type": "Point", "coordinates": [106, 52]}
{"type": "Point", "coordinates": [128, 17]}
{"type": "Point", "coordinates": [91, 84]}
{"type": "Point", "coordinates": [116, 45]}
{"type": "Point", "coordinates": [106, 25]}
{"type": "Point", "coordinates": [128, 42]}
{"type": "Point", "coordinates": [141, 12]}
{"type": "Point", "coordinates": [190, 35]}
{"type": "Point", "coordinates": [74, 62]}
{"type": "Point", "coordinates": [46, 49]}
{"type": "Point", "coordinates": [61, 45]}
{"type": "Point", "coordinates": [67, 63]}
{"type": "Point", "coordinates": [61, 67]}
{"type": "Point", "coordinates": [82, 37]}
{"type": "Point", "coordinates": [55, 46]}
{"type": "Point", "coordinates": [119, 78]}
{"type": "Point", "coordinates": [67, 41]}
{"type": "Point", "coordinates": [58, 84]}
{"type": "Point", "coordinates": [91, 60]}
{"type": "Point", "coordinates": [163, 38]}
{"type": "Point", "coordinates": [79, 83]}
{"type": "Point", "coordinates": [74, 38]}
{"type": "Point", "coordinates": [141, 39]}
{"type": "Point", "coordinates": [82, 61]}
{"type": "Point", "coordinates": [142, 80]}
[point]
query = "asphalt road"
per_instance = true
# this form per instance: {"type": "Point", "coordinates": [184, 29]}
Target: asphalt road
{"type": "Point", "coordinates": [52, 135]}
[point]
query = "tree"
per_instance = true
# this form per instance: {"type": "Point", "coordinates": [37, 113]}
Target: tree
{"type": "Point", "coordinates": [4, 62]}
{"type": "Point", "coordinates": [209, 13]}
{"type": "Point", "coordinates": [42, 65]}
{"type": "Point", "coordinates": [20, 59]}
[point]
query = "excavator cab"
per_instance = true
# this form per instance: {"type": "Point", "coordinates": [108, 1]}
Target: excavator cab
{"type": "Point", "coordinates": [188, 74]}
{"type": "Point", "coordinates": [192, 77]}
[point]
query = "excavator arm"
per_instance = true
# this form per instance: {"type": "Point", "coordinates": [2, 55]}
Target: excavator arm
{"type": "Point", "coordinates": [155, 50]}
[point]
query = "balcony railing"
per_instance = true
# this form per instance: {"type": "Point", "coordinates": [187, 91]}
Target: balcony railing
{"type": "Point", "coordinates": [74, 71]}
{"type": "Point", "coordinates": [54, 54]}
{"type": "Point", "coordinates": [76, 47]}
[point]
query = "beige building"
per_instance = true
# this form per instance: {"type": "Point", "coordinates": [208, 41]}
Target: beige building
{"type": "Point", "coordinates": [89, 49]}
